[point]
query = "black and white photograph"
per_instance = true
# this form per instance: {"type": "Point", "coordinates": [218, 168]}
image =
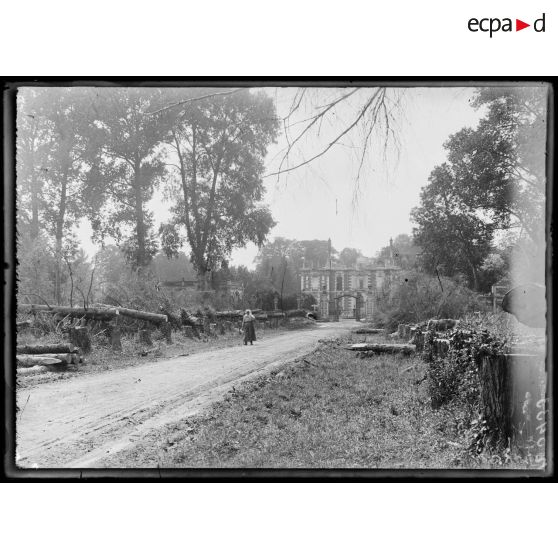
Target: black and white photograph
{"type": "Point", "coordinates": [279, 277]}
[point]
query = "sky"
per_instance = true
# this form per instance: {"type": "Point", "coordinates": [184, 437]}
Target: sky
{"type": "Point", "coordinates": [318, 200]}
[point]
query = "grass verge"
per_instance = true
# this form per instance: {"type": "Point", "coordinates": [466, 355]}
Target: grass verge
{"type": "Point", "coordinates": [327, 410]}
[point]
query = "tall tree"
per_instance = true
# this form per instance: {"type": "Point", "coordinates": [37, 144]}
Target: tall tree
{"type": "Point", "coordinates": [219, 145]}
{"type": "Point", "coordinates": [129, 165]}
{"type": "Point", "coordinates": [278, 262]}
{"type": "Point", "coordinates": [450, 233]}
{"type": "Point", "coordinates": [494, 180]}
{"type": "Point", "coordinates": [52, 148]}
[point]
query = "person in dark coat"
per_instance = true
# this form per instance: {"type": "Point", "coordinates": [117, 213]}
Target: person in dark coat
{"type": "Point", "coordinates": [248, 324]}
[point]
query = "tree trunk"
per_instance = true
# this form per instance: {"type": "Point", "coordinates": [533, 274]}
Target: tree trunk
{"type": "Point", "coordinates": [145, 337]}
{"type": "Point", "coordinates": [33, 360]}
{"type": "Point", "coordinates": [105, 313]}
{"type": "Point", "coordinates": [41, 349]}
{"type": "Point", "coordinates": [141, 257]}
{"type": "Point", "coordinates": [80, 336]}
{"type": "Point", "coordinates": [167, 332]}
{"type": "Point", "coordinates": [115, 339]}
{"type": "Point", "coordinates": [60, 231]}
{"type": "Point", "coordinates": [369, 330]}
{"type": "Point", "coordinates": [34, 195]}
{"type": "Point", "coordinates": [383, 348]}
{"type": "Point", "coordinates": [38, 369]}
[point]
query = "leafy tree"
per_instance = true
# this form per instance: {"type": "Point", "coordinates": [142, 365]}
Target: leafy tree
{"type": "Point", "coordinates": [219, 145]}
{"type": "Point", "coordinates": [128, 166]}
{"type": "Point", "coordinates": [404, 251]}
{"type": "Point", "coordinates": [500, 165]}
{"type": "Point", "coordinates": [348, 257]}
{"type": "Point", "coordinates": [450, 233]}
{"type": "Point", "coordinates": [316, 252]}
{"type": "Point", "coordinates": [54, 126]}
{"type": "Point", "coordinates": [277, 264]}
{"type": "Point", "coordinates": [494, 180]}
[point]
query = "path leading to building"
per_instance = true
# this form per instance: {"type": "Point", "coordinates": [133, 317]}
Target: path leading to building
{"type": "Point", "coordinates": [76, 423]}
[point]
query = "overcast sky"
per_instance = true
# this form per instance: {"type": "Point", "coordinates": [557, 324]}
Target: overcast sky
{"type": "Point", "coordinates": [317, 201]}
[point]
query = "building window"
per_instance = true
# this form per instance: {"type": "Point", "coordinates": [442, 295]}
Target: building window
{"type": "Point", "coordinates": [339, 283]}
{"type": "Point", "coordinates": [361, 283]}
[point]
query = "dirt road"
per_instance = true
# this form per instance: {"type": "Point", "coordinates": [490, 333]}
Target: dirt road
{"type": "Point", "coordinates": [76, 423]}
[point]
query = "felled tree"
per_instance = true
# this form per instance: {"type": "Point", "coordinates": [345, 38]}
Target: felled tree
{"type": "Point", "coordinates": [218, 145]}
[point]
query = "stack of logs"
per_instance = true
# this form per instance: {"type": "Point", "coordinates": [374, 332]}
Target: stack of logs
{"type": "Point", "coordinates": [33, 359]}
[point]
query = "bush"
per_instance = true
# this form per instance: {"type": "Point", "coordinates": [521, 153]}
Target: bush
{"type": "Point", "coordinates": [415, 297]}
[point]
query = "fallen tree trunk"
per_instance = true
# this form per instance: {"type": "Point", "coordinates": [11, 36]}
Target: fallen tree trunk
{"type": "Point", "coordinates": [64, 358]}
{"type": "Point", "coordinates": [31, 370]}
{"type": "Point", "coordinates": [369, 330]}
{"type": "Point", "coordinates": [145, 316]}
{"type": "Point", "coordinates": [383, 348]}
{"type": "Point", "coordinates": [93, 313]}
{"type": "Point", "coordinates": [41, 349]}
{"type": "Point", "coordinates": [27, 361]}
{"type": "Point", "coordinates": [104, 313]}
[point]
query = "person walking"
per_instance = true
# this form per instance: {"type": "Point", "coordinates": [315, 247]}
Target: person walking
{"type": "Point", "coordinates": [248, 324]}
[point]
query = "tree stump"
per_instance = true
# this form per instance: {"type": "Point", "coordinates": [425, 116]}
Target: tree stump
{"type": "Point", "coordinates": [115, 338]}
{"type": "Point", "coordinates": [496, 396]}
{"type": "Point", "coordinates": [166, 329]}
{"type": "Point", "coordinates": [79, 336]}
{"type": "Point", "coordinates": [145, 337]}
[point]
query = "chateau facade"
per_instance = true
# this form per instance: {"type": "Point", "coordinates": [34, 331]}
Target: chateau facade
{"type": "Point", "coordinates": [346, 292]}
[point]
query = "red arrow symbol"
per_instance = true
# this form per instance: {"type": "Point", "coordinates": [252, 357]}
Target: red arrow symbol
{"type": "Point", "coordinates": [519, 25]}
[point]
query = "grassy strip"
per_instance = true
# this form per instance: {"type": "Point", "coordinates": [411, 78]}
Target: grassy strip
{"type": "Point", "coordinates": [330, 409]}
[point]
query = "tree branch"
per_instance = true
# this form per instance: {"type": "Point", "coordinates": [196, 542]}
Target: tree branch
{"type": "Point", "coordinates": [203, 97]}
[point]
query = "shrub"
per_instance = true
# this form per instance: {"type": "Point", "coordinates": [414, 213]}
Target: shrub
{"type": "Point", "coordinates": [415, 297]}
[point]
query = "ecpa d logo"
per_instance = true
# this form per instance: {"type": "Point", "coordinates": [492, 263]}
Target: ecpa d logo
{"type": "Point", "coordinates": [492, 25]}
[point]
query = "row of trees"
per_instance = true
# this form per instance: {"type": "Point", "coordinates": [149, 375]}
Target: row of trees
{"type": "Point", "coordinates": [101, 152]}
{"type": "Point", "coordinates": [482, 213]}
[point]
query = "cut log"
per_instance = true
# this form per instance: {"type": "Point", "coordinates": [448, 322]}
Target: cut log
{"type": "Point", "coordinates": [92, 313]}
{"type": "Point", "coordinates": [145, 316]}
{"type": "Point", "coordinates": [369, 330]}
{"type": "Point", "coordinates": [33, 360]}
{"type": "Point", "coordinates": [24, 323]}
{"type": "Point", "coordinates": [32, 370]}
{"type": "Point", "coordinates": [383, 348]}
{"type": "Point", "coordinates": [104, 313]}
{"type": "Point", "coordinates": [41, 349]}
{"type": "Point", "coordinates": [64, 358]}
{"type": "Point", "coordinates": [80, 336]}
